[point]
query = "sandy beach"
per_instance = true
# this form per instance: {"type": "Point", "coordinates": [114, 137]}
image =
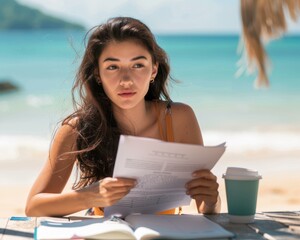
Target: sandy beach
{"type": "Point", "coordinates": [278, 190]}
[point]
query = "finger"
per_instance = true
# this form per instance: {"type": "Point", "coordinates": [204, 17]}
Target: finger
{"type": "Point", "coordinates": [114, 191]}
{"type": "Point", "coordinates": [109, 201]}
{"type": "Point", "coordinates": [204, 173]}
{"type": "Point", "coordinates": [202, 191]}
{"type": "Point", "coordinates": [209, 200]}
{"type": "Point", "coordinates": [109, 191]}
{"type": "Point", "coordinates": [117, 190]}
{"type": "Point", "coordinates": [202, 183]}
{"type": "Point", "coordinates": [119, 182]}
{"type": "Point", "coordinates": [125, 182]}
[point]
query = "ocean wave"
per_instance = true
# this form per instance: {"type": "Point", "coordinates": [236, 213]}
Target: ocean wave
{"type": "Point", "coordinates": [21, 147]}
{"type": "Point", "coordinates": [39, 101]}
{"type": "Point", "coordinates": [23, 102]}
{"type": "Point", "coordinates": [4, 106]}
{"type": "Point", "coordinates": [13, 148]}
{"type": "Point", "coordinates": [238, 142]}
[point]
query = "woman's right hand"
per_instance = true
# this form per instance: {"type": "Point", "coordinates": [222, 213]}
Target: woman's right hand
{"type": "Point", "coordinates": [107, 191]}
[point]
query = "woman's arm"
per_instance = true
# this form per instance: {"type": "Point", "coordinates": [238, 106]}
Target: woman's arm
{"type": "Point", "coordinates": [46, 197]}
{"type": "Point", "coordinates": [203, 187]}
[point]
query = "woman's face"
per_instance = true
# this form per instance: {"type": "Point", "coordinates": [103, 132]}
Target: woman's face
{"type": "Point", "coordinates": [125, 70]}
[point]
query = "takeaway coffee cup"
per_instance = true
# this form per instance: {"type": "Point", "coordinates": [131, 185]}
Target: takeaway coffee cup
{"type": "Point", "coordinates": [241, 191]}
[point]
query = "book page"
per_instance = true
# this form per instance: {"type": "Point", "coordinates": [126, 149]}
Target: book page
{"type": "Point", "coordinates": [176, 227]}
{"type": "Point", "coordinates": [162, 169]}
{"type": "Point", "coordinates": [100, 228]}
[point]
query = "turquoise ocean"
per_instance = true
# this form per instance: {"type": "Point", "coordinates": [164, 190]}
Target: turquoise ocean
{"type": "Point", "coordinates": [43, 64]}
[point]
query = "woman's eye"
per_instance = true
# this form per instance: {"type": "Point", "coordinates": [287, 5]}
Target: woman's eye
{"type": "Point", "coordinates": [138, 65]}
{"type": "Point", "coordinates": [112, 67]}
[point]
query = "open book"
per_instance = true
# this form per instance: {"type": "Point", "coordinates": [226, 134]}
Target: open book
{"type": "Point", "coordinates": [162, 169]}
{"type": "Point", "coordinates": [135, 227]}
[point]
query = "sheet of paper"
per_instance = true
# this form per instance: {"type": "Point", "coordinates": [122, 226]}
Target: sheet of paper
{"type": "Point", "coordinates": [162, 169]}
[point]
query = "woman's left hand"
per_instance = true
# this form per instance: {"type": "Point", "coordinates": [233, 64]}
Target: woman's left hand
{"type": "Point", "coordinates": [203, 188]}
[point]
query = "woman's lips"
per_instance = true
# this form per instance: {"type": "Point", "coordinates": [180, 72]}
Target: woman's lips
{"type": "Point", "coordinates": [126, 94]}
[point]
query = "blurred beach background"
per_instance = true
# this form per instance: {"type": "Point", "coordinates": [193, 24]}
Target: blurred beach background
{"type": "Point", "coordinates": [261, 127]}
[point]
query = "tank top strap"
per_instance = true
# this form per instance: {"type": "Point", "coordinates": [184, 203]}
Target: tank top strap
{"type": "Point", "coordinates": [158, 119]}
{"type": "Point", "coordinates": [170, 138]}
{"type": "Point", "coordinates": [169, 124]}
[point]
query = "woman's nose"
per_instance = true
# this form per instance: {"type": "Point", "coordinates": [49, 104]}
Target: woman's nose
{"type": "Point", "coordinates": [126, 80]}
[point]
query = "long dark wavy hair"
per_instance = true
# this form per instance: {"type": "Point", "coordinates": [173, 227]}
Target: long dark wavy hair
{"type": "Point", "coordinates": [96, 127]}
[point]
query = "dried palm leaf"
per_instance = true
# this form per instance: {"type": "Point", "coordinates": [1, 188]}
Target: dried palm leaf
{"type": "Point", "coordinates": [263, 20]}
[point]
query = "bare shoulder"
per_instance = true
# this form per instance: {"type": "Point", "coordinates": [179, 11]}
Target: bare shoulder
{"type": "Point", "coordinates": [59, 165]}
{"type": "Point", "coordinates": [175, 106]}
{"type": "Point", "coordinates": [183, 114]}
{"type": "Point", "coordinates": [65, 138]}
{"type": "Point", "coordinates": [185, 124]}
{"type": "Point", "coordinates": [67, 130]}
{"type": "Point", "coordinates": [182, 108]}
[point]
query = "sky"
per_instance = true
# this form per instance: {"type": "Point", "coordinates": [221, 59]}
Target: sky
{"type": "Point", "coordinates": [162, 16]}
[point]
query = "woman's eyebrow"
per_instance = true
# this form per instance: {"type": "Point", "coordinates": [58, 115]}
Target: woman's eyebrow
{"type": "Point", "coordinates": [110, 59]}
{"type": "Point", "coordinates": [117, 60]}
{"type": "Point", "coordinates": [138, 57]}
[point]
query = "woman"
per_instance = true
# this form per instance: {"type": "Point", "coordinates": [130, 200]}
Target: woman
{"type": "Point", "coordinates": [122, 85]}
